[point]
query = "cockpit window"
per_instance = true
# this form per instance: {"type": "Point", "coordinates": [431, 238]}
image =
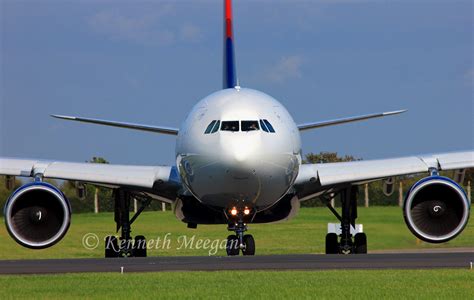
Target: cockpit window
{"type": "Point", "coordinates": [210, 127]}
{"type": "Point", "coordinates": [234, 126]}
{"type": "Point", "coordinates": [213, 127]}
{"type": "Point", "coordinates": [269, 126]}
{"type": "Point", "coordinates": [263, 126]}
{"type": "Point", "coordinates": [266, 126]}
{"type": "Point", "coordinates": [216, 127]}
{"type": "Point", "coordinates": [249, 125]}
{"type": "Point", "coordinates": [230, 126]}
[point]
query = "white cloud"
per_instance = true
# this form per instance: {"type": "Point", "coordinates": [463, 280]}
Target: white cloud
{"type": "Point", "coordinates": [469, 76]}
{"type": "Point", "coordinates": [286, 68]}
{"type": "Point", "coordinates": [191, 33]}
{"type": "Point", "coordinates": [118, 26]}
{"type": "Point", "coordinates": [143, 27]}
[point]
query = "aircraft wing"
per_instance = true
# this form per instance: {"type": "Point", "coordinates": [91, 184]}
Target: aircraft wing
{"type": "Point", "coordinates": [142, 127]}
{"type": "Point", "coordinates": [307, 126]}
{"type": "Point", "coordinates": [162, 181]}
{"type": "Point", "coordinates": [313, 179]}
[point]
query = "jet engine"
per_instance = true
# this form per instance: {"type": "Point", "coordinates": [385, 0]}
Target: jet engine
{"type": "Point", "coordinates": [436, 209]}
{"type": "Point", "coordinates": [37, 215]}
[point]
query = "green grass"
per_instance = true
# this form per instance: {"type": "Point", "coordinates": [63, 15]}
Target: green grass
{"type": "Point", "coordinates": [304, 234]}
{"type": "Point", "coordinates": [391, 284]}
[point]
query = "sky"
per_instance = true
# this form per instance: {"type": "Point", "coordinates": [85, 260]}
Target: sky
{"type": "Point", "coordinates": [149, 62]}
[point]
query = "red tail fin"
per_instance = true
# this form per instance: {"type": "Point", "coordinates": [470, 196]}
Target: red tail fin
{"type": "Point", "coordinates": [229, 72]}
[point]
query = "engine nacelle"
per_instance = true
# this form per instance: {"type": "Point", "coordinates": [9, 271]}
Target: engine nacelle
{"type": "Point", "coordinates": [436, 209]}
{"type": "Point", "coordinates": [37, 215]}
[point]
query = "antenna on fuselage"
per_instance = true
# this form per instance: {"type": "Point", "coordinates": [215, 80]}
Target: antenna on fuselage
{"type": "Point", "coordinates": [237, 86]}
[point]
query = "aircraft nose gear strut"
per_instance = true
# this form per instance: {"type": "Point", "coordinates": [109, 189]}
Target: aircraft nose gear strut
{"type": "Point", "coordinates": [126, 247]}
{"type": "Point", "coordinates": [348, 243]}
{"type": "Point", "coordinates": [239, 241]}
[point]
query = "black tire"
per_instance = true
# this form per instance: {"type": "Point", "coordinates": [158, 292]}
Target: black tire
{"type": "Point", "coordinates": [332, 246]}
{"type": "Point", "coordinates": [111, 247]}
{"type": "Point", "coordinates": [139, 246]}
{"type": "Point", "coordinates": [249, 245]}
{"type": "Point", "coordinates": [360, 243]}
{"type": "Point", "coordinates": [232, 246]}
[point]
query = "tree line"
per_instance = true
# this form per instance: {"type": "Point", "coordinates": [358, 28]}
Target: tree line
{"type": "Point", "coordinates": [104, 196]}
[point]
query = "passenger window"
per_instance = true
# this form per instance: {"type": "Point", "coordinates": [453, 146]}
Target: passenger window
{"type": "Point", "coordinates": [269, 126]}
{"type": "Point", "coordinates": [263, 126]}
{"type": "Point", "coordinates": [249, 125]}
{"type": "Point", "coordinates": [216, 127]}
{"type": "Point", "coordinates": [209, 127]}
{"type": "Point", "coordinates": [230, 126]}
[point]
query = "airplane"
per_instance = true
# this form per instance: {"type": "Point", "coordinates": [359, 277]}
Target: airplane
{"type": "Point", "coordinates": [238, 162]}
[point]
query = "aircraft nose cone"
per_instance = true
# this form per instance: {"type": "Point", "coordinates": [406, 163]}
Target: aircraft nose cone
{"type": "Point", "coordinates": [240, 156]}
{"type": "Point", "coordinates": [243, 151]}
{"type": "Point", "coordinates": [241, 148]}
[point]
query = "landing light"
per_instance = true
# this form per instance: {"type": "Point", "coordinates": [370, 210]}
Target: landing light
{"type": "Point", "coordinates": [246, 211]}
{"type": "Point", "coordinates": [233, 211]}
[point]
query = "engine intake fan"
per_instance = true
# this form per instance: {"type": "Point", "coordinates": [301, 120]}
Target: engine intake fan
{"type": "Point", "coordinates": [436, 209]}
{"type": "Point", "coordinates": [37, 215]}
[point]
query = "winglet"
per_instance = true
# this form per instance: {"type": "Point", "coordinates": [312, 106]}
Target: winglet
{"type": "Point", "coordinates": [395, 112]}
{"type": "Point", "coordinates": [63, 117]}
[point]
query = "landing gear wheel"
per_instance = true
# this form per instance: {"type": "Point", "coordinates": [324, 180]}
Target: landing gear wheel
{"type": "Point", "coordinates": [360, 243]}
{"type": "Point", "coordinates": [139, 247]}
{"type": "Point", "coordinates": [126, 247]}
{"type": "Point", "coordinates": [348, 244]}
{"type": "Point", "coordinates": [249, 245]}
{"type": "Point", "coordinates": [111, 247]}
{"type": "Point", "coordinates": [232, 246]}
{"type": "Point", "coordinates": [332, 246]}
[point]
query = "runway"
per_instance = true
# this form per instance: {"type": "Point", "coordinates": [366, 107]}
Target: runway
{"type": "Point", "coordinates": [262, 262]}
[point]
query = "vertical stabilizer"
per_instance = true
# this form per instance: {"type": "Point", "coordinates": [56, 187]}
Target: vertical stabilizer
{"type": "Point", "coordinates": [229, 72]}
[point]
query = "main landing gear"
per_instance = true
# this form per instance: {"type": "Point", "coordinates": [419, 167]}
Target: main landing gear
{"type": "Point", "coordinates": [239, 241]}
{"type": "Point", "coordinates": [347, 243]}
{"type": "Point", "coordinates": [125, 246]}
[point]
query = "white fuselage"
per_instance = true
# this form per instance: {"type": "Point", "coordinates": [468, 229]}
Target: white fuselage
{"type": "Point", "coordinates": [254, 167]}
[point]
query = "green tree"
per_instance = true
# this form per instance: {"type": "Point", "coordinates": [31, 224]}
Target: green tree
{"type": "Point", "coordinates": [327, 157]}
{"type": "Point", "coordinates": [5, 193]}
{"type": "Point", "coordinates": [98, 160]}
{"type": "Point", "coordinates": [470, 179]}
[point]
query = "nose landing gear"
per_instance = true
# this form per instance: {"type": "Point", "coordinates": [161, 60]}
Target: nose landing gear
{"type": "Point", "coordinates": [239, 241]}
